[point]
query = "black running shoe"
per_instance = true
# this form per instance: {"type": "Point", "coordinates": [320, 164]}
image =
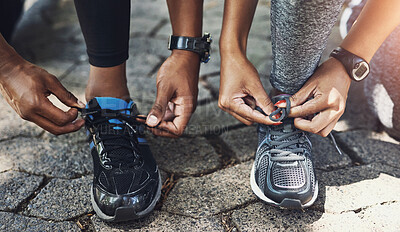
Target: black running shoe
{"type": "Point", "coordinates": [283, 173]}
{"type": "Point", "coordinates": [126, 183]}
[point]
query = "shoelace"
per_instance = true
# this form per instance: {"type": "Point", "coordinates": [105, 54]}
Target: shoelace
{"type": "Point", "coordinates": [284, 112]}
{"type": "Point", "coordinates": [128, 124]}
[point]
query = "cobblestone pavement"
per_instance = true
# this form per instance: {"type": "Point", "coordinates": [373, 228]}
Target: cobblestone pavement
{"type": "Point", "coordinates": [44, 180]}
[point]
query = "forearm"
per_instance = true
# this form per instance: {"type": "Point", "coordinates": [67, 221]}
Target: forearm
{"type": "Point", "coordinates": [376, 21]}
{"type": "Point", "coordinates": [238, 16]}
{"type": "Point", "coordinates": [6, 51]}
{"type": "Point", "coordinates": [186, 18]}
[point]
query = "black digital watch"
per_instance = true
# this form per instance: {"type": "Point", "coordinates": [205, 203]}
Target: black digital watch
{"type": "Point", "coordinates": [357, 68]}
{"type": "Point", "coordinates": [199, 45]}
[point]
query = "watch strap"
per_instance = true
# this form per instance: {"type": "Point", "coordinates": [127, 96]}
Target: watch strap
{"type": "Point", "coordinates": [199, 45]}
{"type": "Point", "coordinates": [349, 60]}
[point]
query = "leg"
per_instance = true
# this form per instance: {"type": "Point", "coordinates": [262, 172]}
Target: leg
{"type": "Point", "coordinates": [105, 26]}
{"type": "Point", "coordinates": [10, 11]}
{"type": "Point", "coordinates": [299, 33]}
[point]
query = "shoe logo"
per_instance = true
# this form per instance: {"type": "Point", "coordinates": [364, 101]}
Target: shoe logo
{"type": "Point", "coordinates": [103, 157]}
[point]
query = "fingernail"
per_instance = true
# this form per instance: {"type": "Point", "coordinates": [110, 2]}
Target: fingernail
{"type": "Point", "coordinates": [152, 120]}
{"type": "Point", "coordinates": [279, 102]}
{"type": "Point", "coordinates": [81, 104]}
{"type": "Point", "coordinates": [277, 123]}
{"type": "Point", "coordinates": [277, 116]}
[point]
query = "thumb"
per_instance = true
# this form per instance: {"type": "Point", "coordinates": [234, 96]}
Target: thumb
{"type": "Point", "coordinates": [64, 95]}
{"type": "Point", "coordinates": [298, 98]}
{"type": "Point", "coordinates": [157, 112]}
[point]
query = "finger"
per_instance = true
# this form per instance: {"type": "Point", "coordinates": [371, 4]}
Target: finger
{"type": "Point", "coordinates": [319, 122]}
{"type": "Point", "coordinates": [159, 132]}
{"type": "Point", "coordinates": [63, 94]}
{"type": "Point", "coordinates": [178, 124]}
{"type": "Point", "coordinates": [56, 115]}
{"type": "Point", "coordinates": [263, 100]}
{"type": "Point", "coordinates": [246, 112]}
{"type": "Point", "coordinates": [325, 132]}
{"type": "Point", "coordinates": [241, 119]}
{"type": "Point", "coordinates": [157, 112]}
{"type": "Point", "coordinates": [310, 107]}
{"type": "Point", "coordinates": [302, 95]}
{"type": "Point", "coordinates": [57, 130]}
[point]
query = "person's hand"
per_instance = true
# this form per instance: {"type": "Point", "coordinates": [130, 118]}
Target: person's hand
{"type": "Point", "coordinates": [26, 87]}
{"type": "Point", "coordinates": [177, 88]}
{"type": "Point", "coordinates": [327, 88]}
{"type": "Point", "coordinates": [241, 91]}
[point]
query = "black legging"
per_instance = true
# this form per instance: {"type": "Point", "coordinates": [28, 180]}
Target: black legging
{"type": "Point", "coordinates": [10, 10]}
{"type": "Point", "coordinates": [105, 26]}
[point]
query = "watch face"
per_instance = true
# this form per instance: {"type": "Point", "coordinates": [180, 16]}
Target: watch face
{"type": "Point", "coordinates": [360, 71]}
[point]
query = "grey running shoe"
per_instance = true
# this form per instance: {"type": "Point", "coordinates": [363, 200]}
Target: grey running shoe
{"type": "Point", "coordinates": [283, 173]}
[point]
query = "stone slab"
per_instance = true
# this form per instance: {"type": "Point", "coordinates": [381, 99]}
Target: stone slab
{"type": "Point", "coordinates": [243, 142]}
{"type": "Point", "coordinates": [62, 199]}
{"type": "Point", "coordinates": [382, 217]}
{"type": "Point", "coordinates": [184, 156]}
{"type": "Point", "coordinates": [161, 221]}
{"type": "Point", "coordinates": [60, 158]}
{"type": "Point", "coordinates": [358, 187]}
{"type": "Point", "coordinates": [261, 217]}
{"type": "Point", "coordinates": [16, 223]}
{"type": "Point", "coordinates": [371, 149]}
{"type": "Point", "coordinates": [11, 125]}
{"type": "Point", "coordinates": [15, 187]}
{"type": "Point", "coordinates": [211, 194]}
{"type": "Point", "coordinates": [325, 154]}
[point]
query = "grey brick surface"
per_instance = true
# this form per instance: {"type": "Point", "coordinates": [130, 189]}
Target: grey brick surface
{"type": "Point", "coordinates": [15, 187]}
{"type": "Point", "coordinates": [211, 194]}
{"type": "Point", "coordinates": [16, 223]}
{"type": "Point", "coordinates": [184, 156]}
{"type": "Point", "coordinates": [58, 158]}
{"type": "Point", "coordinates": [161, 221]}
{"type": "Point", "coordinates": [243, 142]}
{"type": "Point", "coordinates": [62, 199]}
{"type": "Point", "coordinates": [355, 188]}
{"type": "Point", "coordinates": [371, 149]}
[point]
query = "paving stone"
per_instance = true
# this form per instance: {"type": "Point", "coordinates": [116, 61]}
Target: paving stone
{"type": "Point", "coordinates": [370, 149]}
{"type": "Point", "coordinates": [262, 217]}
{"type": "Point", "coordinates": [382, 217]}
{"type": "Point", "coordinates": [161, 221]}
{"type": "Point", "coordinates": [11, 125]}
{"type": "Point", "coordinates": [357, 187]}
{"type": "Point", "coordinates": [211, 194]}
{"type": "Point", "coordinates": [210, 118]}
{"type": "Point", "coordinates": [243, 142]}
{"type": "Point", "coordinates": [184, 156]}
{"type": "Point", "coordinates": [62, 199]}
{"type": "Point", "coordinates": [58, 159]}
{"type": "Point", "coordinates": [16, 223]}
{"type": "Point", "coordinates": [325, 154]}
{"type": "Point", "coordinates": [15, 187]}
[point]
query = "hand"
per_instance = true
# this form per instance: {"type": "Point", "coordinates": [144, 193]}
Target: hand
{"type": "Point", "coordinates": [328, 88]}
{"type": "Point", "coordinates": [177, 88]}
{"type": "Point", "coordinates": [241, 91]}
{"type": "Point", "coordinates": [26, 88]}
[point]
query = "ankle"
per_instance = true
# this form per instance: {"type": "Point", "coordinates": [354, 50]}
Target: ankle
{"type": "Point", "coordinates": [107, 82]}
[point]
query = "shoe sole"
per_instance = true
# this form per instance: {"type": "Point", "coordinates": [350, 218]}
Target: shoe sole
{"type": "Point", "coordinates": [126, 213]}
{"type": "Point", "coordinates": [286, 202]}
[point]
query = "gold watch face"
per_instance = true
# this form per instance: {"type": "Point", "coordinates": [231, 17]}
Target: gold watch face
{"type": "Point", "coordinates": [361, 71]}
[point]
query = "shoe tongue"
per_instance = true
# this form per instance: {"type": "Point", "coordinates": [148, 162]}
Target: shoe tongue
{"type": "Point", "coordinates": [111, 103]}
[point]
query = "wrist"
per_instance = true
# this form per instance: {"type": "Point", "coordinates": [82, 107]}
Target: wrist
{"type": "Point", "coordinates": [188, 55]}
{"type": "Point", "coordinates": [340, 68]}
{"type": "Point", "coordinates": [230, 47]}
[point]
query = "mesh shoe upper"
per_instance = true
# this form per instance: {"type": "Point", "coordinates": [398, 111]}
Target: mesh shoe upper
{"type": "Point", "coordinates": [283, 163]}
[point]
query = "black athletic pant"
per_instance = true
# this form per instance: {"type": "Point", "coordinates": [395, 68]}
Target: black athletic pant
{"type": "Point", "coordinates": [10, 10]}
{"type": "Point", "coordinates": [105, 26]}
